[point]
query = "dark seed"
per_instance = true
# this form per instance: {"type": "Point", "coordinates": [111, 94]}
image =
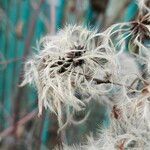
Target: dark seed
{"type": "Point", "coordinates": [66, 65]}
{"type": "Point", "coordinates": [60, 62]}
{"type": "Point", "coordinates": [81, 61]}
{"type": "Point", "coordinates": [146, 22]}
{"type": "Point", "coordinates": [54, 65]}
{"type": "Point", "coordinates": [70, 60]}
{"type": "Point", "coordinates": [61, 70]}
{"type": "Point", "coordinates": [78, 63]}
{"type": "Point", "coordinates": [79, 47]}
{"type": "Point", "coordinates": [44, 60]}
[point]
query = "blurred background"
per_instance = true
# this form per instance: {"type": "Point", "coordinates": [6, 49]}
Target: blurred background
{"type": "Point", "coordinates": [22, 24]}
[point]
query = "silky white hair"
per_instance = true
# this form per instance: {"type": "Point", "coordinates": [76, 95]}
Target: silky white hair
{"type": "Point", "coordinates": [66, 63]}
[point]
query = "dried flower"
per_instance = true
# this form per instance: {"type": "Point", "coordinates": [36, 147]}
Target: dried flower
{"type": "Point", "coordinates": [66, 63]}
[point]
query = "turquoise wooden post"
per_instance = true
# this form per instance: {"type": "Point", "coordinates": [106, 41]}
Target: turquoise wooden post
{"type": "Point", "coordinates": [11, 45]}
{"type": "Point", "coordinates": [45, 129]}
{"type": "Point", "coordinates": [88, 17]}
{"type": "Point", "coordinates": [59, 13]}
{"type": "Point", "coordinates": [131, 11]}
{"type": "Point", "coordinates": [24, 14]}
{"type": "Point", "coordinates": [2, 67]}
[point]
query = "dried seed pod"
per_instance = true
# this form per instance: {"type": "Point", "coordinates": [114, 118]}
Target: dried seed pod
{"type": "Point", "coordinates": [64, 63]}
{"type": "Point", "coordinates": [140, 27]}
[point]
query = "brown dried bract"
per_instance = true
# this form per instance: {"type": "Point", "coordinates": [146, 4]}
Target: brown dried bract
{"type": "Point", "coordinates": [116, 112]}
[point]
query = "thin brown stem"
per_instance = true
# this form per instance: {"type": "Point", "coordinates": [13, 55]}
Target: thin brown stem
{"type": "Point", "coordinates": [21, 122]}
{"type": "Point", "coordinates": [38, 145]}
{"type": "Point", "coordinates": [11, 61]}
{"type": "Point", "coordinates": [98, 81]}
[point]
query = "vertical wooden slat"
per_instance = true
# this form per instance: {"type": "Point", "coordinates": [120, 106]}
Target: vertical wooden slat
{"type": "Point", "coordinates": [10, 51]}
{"type": "Point", "coordinates": [2, 67]}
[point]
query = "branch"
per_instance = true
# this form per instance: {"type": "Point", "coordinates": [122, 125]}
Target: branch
{"type": "Point", "coordinates": [98, 81]}
{"type": "Point", "coordinates": [21, 122]}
